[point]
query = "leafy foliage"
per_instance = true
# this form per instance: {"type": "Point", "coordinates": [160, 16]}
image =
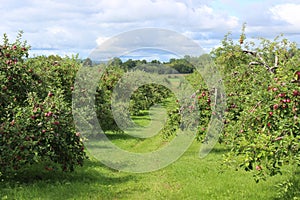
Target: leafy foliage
{"type": "Point", "coordinates": [35, 110]}
{"type": "Point", "coordinates": [181, 65]}
{"type": "Point", "coordinates": [103, 96]}
{"type": "Point", "coordinates": [262, 83]}
{"type": "Point", "coordinates": [141, 99]}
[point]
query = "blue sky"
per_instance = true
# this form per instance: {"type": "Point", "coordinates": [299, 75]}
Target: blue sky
{"type": "Point", "coordinates": [72, 26]}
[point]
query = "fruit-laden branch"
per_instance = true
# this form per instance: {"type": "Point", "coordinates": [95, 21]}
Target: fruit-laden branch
{"type": "Point", "coordinates": [262, 61]}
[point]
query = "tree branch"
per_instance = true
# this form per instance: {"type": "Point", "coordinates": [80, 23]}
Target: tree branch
{"type": "Point", "coordinates": [276, 61]}
{"type": "Point", "coordinates": [255, 63]}
{"type": "Point", "coordinates": [250, 52]}
{"type": "Point", "coordinates": [262, 61]}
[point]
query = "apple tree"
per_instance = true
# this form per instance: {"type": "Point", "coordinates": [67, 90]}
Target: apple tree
{"type": "Point", "coordinates": [36, 123]}
{"type": "Point", "coordinates": [262, 118]}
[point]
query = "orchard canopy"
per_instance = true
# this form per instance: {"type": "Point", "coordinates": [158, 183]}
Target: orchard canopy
{"type": "Point", "coordinates": [261, 77]}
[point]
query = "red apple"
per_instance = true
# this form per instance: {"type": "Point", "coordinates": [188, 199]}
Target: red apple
{"type": "Point", "coordinates": [50, 94]}
{"type": "Point", "coordinates": [12, 122]}
{"type": "Point", "coordinates": [48, 114]}
{"type": "Point", "coordinates": [271, 114]}
{"type": "Point", "coordinates": [9, 62]}
{"type": "Point", "coordinates": [295, 93]}
{"type": "Point", "coordinates": [281, 95]}
{"type": "Point", "coordinates": [48, 168]}
{"type": "Point", "coordinates": [274, 89]}
{"type": "Point", "coordinates": [275, 107]}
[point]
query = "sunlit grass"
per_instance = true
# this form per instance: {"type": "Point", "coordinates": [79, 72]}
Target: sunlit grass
{"type": "Point", "coordinates": [188, 178]}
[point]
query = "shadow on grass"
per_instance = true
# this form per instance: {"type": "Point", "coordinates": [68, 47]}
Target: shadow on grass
{"type": "Point", "coordinates": [289, 189]}
{"type": "Point", "coordinates": [93, 176]}
{"type": "Point", "coordinates": [113, 135]}
{"type": "Point", "coordinates": [220, 150]}
{"type": "Point", "coordinates": [121, 136]}
{"type": "Point", "coordinates": [142, 114]}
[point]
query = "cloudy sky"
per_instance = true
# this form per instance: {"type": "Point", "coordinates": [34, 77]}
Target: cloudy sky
{"type": "Point", "coordinates": [72, 26]}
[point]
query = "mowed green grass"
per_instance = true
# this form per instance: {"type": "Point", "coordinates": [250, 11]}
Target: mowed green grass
{"type": "Point", "coordinates": [188, 178]}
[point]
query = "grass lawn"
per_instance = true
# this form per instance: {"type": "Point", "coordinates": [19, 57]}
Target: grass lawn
{"type": "Point", "coordinates": [188, 178]}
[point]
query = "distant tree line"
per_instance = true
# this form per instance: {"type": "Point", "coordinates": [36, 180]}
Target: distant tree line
{"type": "Point", "coordinates": [173, 66]}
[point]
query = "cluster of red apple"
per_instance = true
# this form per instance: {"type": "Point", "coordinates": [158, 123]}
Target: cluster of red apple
{"type": "Point", "coordinates": [284, 99]}
{"type": "Point", "coordinates": [283, 102]}
{"type": "Point", "coordinates": [11, 60]}
{"type": "Point", "coordinates": [47, 114]}
{"type": "Point", "coordinates": [200, 96]}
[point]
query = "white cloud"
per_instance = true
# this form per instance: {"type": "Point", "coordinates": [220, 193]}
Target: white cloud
{"type": "Point", "coordinates": [288, 13]}
{"type": "Point", "coordinates": [84, 24]}
{"type": "Point", "coordinates": [100, 40]}
{"type": "Point", "coordinates": [79, 26]}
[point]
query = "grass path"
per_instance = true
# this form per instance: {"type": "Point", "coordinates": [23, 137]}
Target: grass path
{"type": "Point", "coordinates": [188, 178]}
